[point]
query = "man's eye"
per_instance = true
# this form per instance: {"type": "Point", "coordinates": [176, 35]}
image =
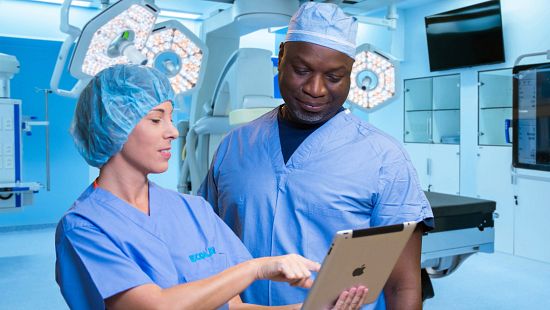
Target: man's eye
{"type": "Point", "coordinates": [334, 78]}
{"type": "Point", "coordinates": [301, 71]}
{"type": "Point", "coordinates": [156, 121]}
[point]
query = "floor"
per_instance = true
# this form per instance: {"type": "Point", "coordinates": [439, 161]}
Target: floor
{"type": "Point", "coordinates": [484, 281]}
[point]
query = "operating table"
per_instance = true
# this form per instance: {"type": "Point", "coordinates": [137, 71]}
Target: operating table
{"type": "Point", "coordinates": [463, 226]}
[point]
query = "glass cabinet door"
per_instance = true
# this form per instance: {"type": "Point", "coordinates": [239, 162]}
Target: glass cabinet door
{"type": "Point", "coordinates": [418, 126]}
{"type": "Point", "coordinates": [418, 94]}
{"type": "Point", "coordinates": [495, 107]}
{"type": "Point", "coordinates": [446, 92]}
{"type": "Point", "coordinates": [446, 105]}
{"type": "Point", "coordinates": [418, 110]}
{"type": "Point", "coordinates": [432, 109]}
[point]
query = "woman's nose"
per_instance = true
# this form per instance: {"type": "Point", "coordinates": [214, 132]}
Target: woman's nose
{"type": "Point", "coordinates": [172, 132]}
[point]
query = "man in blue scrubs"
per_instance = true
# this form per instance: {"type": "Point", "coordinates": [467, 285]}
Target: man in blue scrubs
{"type": "Point", "coordinates": [287, 181]}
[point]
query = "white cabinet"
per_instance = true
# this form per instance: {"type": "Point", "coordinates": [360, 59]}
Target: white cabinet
{"type": "Point", "coordinates": [437, 165]}
{"type": "Point", "coordinates": [432, 131]}
{"type": "Point", "coordinates": [532, 232]}
{"type": "Point", "coordinates": [420, 155]}
{"type": "Point", "coordinates": [494, 182]}
{"type": "Point", "coordinates": [523, 208]}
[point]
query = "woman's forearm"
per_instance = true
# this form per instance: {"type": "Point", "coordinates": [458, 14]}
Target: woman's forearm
{"type": "Point", "coordinates": [212, 292]}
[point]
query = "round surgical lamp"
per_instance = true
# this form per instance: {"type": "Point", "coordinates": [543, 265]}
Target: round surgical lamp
{"type": "Point", "coordinates": [114, 36]}
{"type": "Point", "coordinates": [372, 78]}
{"type": "Point", "coordinates": [177, 52]}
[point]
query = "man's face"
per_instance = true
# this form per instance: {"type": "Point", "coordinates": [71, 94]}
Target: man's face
{"type": "Point", "coordinates": [314, 81]}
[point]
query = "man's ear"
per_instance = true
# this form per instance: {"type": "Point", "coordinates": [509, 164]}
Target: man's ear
{"type": "Point", "coordinates": [281, 52]}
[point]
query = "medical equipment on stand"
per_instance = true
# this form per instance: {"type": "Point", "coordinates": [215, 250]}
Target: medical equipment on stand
{"type": "Point", "coordinates": [14, 193]}
{"type": "Point", "coordinates": [238, 85]}
{"type": "Point", "coordinates": [244, 92]}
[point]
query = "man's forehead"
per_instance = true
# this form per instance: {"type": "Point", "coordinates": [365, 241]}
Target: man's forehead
{"type": "Point", "coordinates": [306, 52]}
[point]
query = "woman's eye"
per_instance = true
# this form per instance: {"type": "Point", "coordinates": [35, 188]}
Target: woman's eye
{"type": "Point", "coordinates": [156, 121]}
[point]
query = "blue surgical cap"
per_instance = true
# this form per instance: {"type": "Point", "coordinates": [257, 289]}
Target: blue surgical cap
{"type": "Point", "coordinates": [324, 24]}
{"type": "Point", "coordinates": [111, 105]}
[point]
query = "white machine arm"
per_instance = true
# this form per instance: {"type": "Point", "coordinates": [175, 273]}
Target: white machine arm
{"type": "Point", "coordinates": [73, 33]}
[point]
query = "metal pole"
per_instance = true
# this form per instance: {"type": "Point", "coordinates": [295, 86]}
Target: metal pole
{"type": "Point", "coordinates": [46, 93]}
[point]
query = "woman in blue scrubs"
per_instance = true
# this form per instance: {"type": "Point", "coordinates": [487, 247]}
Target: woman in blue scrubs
{"type": "Point", "coordinates": [127, 243]}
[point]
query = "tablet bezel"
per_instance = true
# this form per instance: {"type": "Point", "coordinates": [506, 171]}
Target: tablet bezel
{"type": "Point", "coordinates": [350, 251]}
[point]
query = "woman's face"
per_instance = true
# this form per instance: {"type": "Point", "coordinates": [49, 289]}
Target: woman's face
{"type": "Point", "coordinates": [148, 146]}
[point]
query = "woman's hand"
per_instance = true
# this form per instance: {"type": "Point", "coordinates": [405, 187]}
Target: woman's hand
{"type": "Point", "coordinates": [351, 299]}
{"type": "Point", "coordinates": [292, 268]}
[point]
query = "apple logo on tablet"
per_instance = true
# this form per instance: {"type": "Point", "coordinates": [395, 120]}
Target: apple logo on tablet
{"type": "Point", "coordinates": [359, 271]}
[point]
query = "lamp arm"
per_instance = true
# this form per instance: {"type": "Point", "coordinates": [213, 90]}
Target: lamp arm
{"type": "Point", "coordinates": [64, 25]}
{"type": "Point", "coordinates": [73, 33]}
{"type": "Point", "coordinates": [390, 21]}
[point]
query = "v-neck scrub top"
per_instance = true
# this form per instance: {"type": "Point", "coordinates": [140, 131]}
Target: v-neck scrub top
{"type": "Point", "coordinates": [345, 175]}
{"type": "Point", "coordinates": [105, 246]}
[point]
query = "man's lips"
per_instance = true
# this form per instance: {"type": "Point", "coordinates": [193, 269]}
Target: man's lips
{"type": "Point", "coordinates": [311, 107]}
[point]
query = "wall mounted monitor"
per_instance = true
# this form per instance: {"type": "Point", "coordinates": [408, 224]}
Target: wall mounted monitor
{"type": "Point", "coordinates": [465, 37]}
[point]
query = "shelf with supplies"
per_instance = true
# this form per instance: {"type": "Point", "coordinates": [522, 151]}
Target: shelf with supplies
{"type": "Point", "coordinates": [432, 110]}
{"type": "Point", "coordinates": [495, 107]}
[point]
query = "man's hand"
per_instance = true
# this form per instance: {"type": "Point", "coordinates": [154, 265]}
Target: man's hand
{"type": "Point", "coordinates": [351, 299]}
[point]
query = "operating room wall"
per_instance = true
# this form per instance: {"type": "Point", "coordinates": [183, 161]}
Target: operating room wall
{"type": "Point", "coordinates": [68, 170]}
{"type": "Point", "coordinates": [30, 31]}
{"type": "Point", "coordinates": [525, 30]}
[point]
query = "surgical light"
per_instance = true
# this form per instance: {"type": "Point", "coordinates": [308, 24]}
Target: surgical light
{"type": "Point", "coordinates": [114, 36]}
{"type": "Point", "coordinates": [178, 53]}
{"type": "Point", "coordinates": [125, 32]}
{"type": "Point", "coordinates": [372, 78]}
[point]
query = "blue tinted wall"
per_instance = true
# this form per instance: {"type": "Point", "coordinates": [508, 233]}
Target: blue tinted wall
{"type": "Point", "coordinates": [69, 172]}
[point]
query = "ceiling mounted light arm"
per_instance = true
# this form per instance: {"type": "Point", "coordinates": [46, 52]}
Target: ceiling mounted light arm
{"type": "Point", "coordinates": [73, 33]}
{"type": "Point", "coordinates": [390, 21]}
{"type": "Point", "coordinates": [372, 78]}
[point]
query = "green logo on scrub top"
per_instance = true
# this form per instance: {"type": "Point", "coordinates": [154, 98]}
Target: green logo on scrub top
{"type": "Point", "coordinates": [202, 255]}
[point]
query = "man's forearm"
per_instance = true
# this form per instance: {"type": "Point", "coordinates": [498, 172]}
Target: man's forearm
{"type": "Point", "coordinates": [403, 298]}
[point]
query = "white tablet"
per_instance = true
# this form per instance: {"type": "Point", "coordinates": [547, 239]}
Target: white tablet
{"type": "Point", "coordinates": [358, 257]}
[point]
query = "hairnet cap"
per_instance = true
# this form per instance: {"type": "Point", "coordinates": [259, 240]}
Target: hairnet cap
{"type": "Point", "coordinates": [111, 105]}
{"type": "Point", "coordinates": [324, 24]}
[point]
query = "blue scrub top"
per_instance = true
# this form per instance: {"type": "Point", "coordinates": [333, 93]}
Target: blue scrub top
{"type": "Point", "coordinates": [345, 175]}
{"type": "Point", "coordinates": [105, 246]}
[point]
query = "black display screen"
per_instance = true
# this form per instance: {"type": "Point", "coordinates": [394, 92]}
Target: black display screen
{"type": "Point", "coordinates": [465, 37]}
{"type": "Point", "coordinates": [531, 122]}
